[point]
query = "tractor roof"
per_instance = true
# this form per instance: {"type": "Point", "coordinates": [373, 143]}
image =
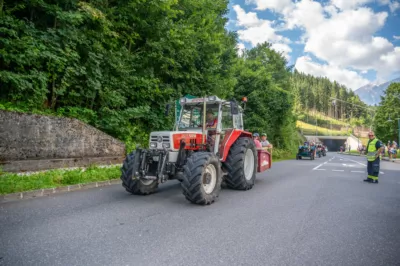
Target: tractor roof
{"type": "Point", "coordinates": [209, 99]}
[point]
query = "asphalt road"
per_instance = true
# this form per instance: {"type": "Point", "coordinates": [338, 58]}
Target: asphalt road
{"type": "Point", "coordinates": [299, 213]}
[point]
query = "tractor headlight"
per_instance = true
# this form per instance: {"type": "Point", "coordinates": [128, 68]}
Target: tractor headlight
{"type": "Point", "coordinates": [153, 145]}
{"type": "Point", "coordinates": [166, 145]}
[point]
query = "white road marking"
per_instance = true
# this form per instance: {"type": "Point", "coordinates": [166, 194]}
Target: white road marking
{"type": "Point", "coordinates": [315, 168]}
{"type": "Point", "coordinates": [357, 162]}
{"type": "Point", "coordinates": [337, 170]}
{"type": "Point", "coordinates": [382, 173]}
{"type": "Point", "coordinates": [320, 169]}
{"type": "Point", "coordinates": [358, 171]}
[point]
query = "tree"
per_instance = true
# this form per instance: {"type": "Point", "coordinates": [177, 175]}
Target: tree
{"type": "Point", "coordinates": [388, 107]}
{"type": "Point", "coordinates": [262, 76]}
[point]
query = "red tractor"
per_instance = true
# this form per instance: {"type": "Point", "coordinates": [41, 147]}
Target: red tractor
{"type": "Point", "coordinates": [208, 146]}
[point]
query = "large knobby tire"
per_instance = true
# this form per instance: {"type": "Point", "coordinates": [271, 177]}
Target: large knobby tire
{"type": "Point", "coordinates": [135, 186]}
{"type": "Point", "coordinates": [202, 178]}
{"type": "Point", "coordinates": [241, 164]}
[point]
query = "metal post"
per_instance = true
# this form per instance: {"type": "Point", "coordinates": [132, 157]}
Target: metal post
{"type": "Point", "coordinates": [316, 125]}
{"type": "Point", "coordinates": [398, 123]}
{"type": "Point", "coordinates": [204, 121]}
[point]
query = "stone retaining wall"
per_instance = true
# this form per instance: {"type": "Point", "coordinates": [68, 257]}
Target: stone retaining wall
{"type": "Point", "coordinates": [36, 142]}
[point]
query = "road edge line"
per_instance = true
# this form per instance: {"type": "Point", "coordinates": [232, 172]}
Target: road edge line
{"type": "Point", "coordinates": [38, 193]}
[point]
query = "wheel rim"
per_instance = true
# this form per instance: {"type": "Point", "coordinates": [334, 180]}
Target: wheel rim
{"type": "Point", "coordinates": [248, 164]}
{"type": "Point", "coordinates": [146, 182]}
{"type": "Point", "coordinates": [209, 178]}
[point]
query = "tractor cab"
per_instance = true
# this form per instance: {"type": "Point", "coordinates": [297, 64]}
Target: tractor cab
{"type": "Point", "coordinates": [208, 120]}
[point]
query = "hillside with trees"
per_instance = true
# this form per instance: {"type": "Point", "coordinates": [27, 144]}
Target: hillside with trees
{"type": "Point", "coordinates": [319, 101]}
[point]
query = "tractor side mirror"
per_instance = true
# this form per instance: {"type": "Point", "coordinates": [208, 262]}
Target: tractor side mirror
{"type": "Point", "coordinates": [234, 108]}
{"type": "Point", "coordinates": [167, 107]}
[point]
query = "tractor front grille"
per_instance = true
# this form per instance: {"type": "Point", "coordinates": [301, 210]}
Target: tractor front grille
{"type": "Point", "coordinates": [163, 139]}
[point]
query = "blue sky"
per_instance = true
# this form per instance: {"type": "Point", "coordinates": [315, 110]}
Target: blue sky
{"type": "Point", "coordinates": [354, 42]}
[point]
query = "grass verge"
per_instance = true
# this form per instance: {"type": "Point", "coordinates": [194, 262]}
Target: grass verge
{"type": "Point", "coordinates": [282, 155]}
{"type": "Point", "coordinates": [352, 152]}
{"type": "Point", "coordinates": [12, 182]}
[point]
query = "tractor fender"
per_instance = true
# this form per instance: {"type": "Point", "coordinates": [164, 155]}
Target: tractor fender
{"type": "Point", "coordinates": [230, 137]}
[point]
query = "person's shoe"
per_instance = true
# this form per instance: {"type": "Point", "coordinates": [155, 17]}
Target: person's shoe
{"type": "Point", "coordinates": [375, 182]}
{"type": "Point", "coordinates": [369, 180]}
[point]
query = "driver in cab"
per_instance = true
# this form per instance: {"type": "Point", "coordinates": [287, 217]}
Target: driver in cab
{"type": "Point", "coordinates": [211, 120]}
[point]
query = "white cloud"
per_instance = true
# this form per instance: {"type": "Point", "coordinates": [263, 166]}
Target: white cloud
{"type": "Point", "coordinates": [339, 32]}
{"type": "Point", "coordinates": [258, 31]}
{"type": "Point", "coordinates": [350, 79]}
{"type": "Point", "coordinates": [241, 48]}
{"type": "Point", "coordinates": [246, 19]}
{"type": "Point", "coordinates": [345, 38]}
{"type": "Point", "coordinates": [349, 4]}
{"type": "Point", "coordinates": [305, 14]}
{"type": "Point", "coordinates": [275, 5]}
{"type": "Point", "coordinates": [283, 48]}
{"type": "Point", "coordinates": [353, 45]}
{"type": "Point", "coordinates": [352, 4]}
{"type": "Point", "coordinates": [394, 5]}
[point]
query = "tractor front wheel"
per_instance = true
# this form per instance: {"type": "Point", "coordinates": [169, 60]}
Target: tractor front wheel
{"type": "Point", "coordinates": [135, 186]}
{"type": "Point", "coordinates": [241, 164]}
{"type": "Point", "coordinates": [202, 178]}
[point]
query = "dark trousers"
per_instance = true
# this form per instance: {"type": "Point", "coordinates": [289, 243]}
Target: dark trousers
{"type": "Point", "coordinates": [373, 169]}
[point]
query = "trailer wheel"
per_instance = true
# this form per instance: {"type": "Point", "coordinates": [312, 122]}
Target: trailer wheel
{"type": "Point", "coordinates": [135, 186]}
{"type": "Point", "coordinates": [202, 178]}
{"type": "Point", "coordinates": [241, 164]}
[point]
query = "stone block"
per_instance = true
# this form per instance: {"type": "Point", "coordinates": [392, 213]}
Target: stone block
{"type": "Point", "coordinates": [103, 183]}
{"type": "Point", "coordinates": [74, 187]}
{"type": "Point", "coordinates": [48, 191]}
{"type": "Point", "coordinates": [33, 194]}
{"type": "Point", "coordinates": [88, 185]}
{"type": "Point", "coordinates": [61, 189]}
{"type": "Point", "coordinates": [12, 197]}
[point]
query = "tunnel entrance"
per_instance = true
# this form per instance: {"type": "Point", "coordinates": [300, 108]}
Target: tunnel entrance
{"type": "Point", "coordinates": [333, 144]}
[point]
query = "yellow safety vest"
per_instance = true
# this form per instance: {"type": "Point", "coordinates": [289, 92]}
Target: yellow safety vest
{"type": "Point", "coordinates": [371, 150]}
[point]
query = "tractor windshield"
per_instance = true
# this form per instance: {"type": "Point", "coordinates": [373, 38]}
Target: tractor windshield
{"type": "Point", "coordinates": [192, 116]}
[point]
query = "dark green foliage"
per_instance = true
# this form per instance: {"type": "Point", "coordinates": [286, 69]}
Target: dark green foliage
{"type": "Point", "coordinates": [389, 107]}
{"type": "Point", "coordinates": [115, 64]}
{"type": "Point", "coordinates": [263, 77]}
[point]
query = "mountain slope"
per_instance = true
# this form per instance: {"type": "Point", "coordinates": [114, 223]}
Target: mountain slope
{"type": "Point", "coordinates": [371, 93]}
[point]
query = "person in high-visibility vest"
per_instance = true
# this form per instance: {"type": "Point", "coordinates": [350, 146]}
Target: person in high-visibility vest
{"type": "Point", "coordinates": [374, 149]}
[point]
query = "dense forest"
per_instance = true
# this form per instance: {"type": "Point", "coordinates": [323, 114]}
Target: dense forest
{"type": "Point", "coordinates": [115, 64]}
{"type": "Point", "coordinates": [320, 95]}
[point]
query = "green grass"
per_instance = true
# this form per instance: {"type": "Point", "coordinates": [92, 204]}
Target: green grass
{"type": "Point", "coordinates": [282, 155]}
{"type": "Point", "coordinates": [323, 119]}
{"type": "Point", "coordinates": [12, 182]}
{"type": "Point", "coordinates": [354, 152]}
{"type": "Point", "coordinates": [309, 129]}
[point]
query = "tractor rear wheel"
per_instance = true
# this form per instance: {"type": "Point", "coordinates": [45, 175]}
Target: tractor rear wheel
{"type": "Point", "coordinates": [202, 178]}
{"type": "Point", "coordinates": [135, 186]}
{"type": "Point", "coordinates": [241, 164]}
